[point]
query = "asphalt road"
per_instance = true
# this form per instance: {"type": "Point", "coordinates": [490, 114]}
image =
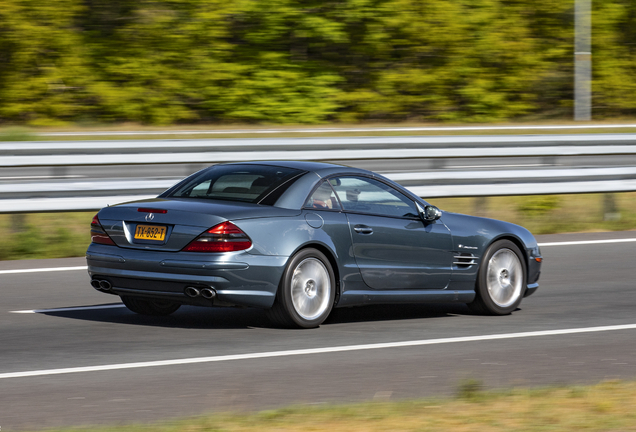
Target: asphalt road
{"type": "Point", "coordinates": [583, 286]}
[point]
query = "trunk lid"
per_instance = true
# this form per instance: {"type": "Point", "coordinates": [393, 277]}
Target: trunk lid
{"type": "Point", "coordinates": [170, 224]}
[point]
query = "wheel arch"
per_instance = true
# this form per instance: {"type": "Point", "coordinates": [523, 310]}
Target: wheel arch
{"type": "Point", "coordinates": [284, 312]}
{"type": "Point", "coordinates": [519, 243]}
{"type": "Point", "coordinates": [326, 251]}
{"type": "Point", "coordinates": [484, 303]}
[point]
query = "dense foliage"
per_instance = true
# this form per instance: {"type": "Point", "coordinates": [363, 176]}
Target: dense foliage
{"type": "Point", "coordinates": [306, 61]}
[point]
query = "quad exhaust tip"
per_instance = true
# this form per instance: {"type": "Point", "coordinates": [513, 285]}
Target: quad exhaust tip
{"type": "Point", "coordinates": [193, 292]}
{"type": "Point", "coordinates": [101, 285]}
{"type": "Point", "coordinates": [208, 293]}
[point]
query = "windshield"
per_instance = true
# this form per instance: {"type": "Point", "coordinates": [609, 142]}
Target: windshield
{"type": "Point", "coordinates": [246, 183]}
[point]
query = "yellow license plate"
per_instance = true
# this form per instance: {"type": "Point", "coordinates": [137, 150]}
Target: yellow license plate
{"type": "Point", "coordinates": [150, 232]}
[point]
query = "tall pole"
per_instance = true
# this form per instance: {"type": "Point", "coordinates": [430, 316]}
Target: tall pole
{"type": "Point", "coordinates": [582, 61]}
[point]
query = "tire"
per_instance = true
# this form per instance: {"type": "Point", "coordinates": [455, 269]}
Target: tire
{"type": "Point", "coordinates": [150, 307]}
{"type": "Point", "coordinates": [501, 280]}
{"type": "Point", "coordinates": [306, 292]}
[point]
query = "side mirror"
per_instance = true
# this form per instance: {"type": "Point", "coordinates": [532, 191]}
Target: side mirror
{"type": "Point", "coordinates": [429, 213]}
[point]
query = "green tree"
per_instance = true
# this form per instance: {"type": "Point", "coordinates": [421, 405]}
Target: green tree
{"type": "Point", "coordinates": [447, 60]}
{"type": "Point", "coordinates": [163, 62]}
{"type": "Point", "coordinates": [43, 74]}
{"type": "Point", "coordinates": [306, 61]}
{"type": "Point", "coordinates": [614, 58]}
{"type": "Point", "coordinates": [278, 52]}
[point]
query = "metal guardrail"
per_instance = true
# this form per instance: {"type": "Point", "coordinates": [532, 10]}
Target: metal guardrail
{"type": "Point", "coordinates": [181, 145]}
{"type": "Point", "coordinates": [34, 205]}
{"type": "Point", "coordinates": [424, 184]}
{"type": "Point", "coordinates": [306, 155]}
{"type": "Point", "coordinates": [93, 194]}
{"type": "Point", "coordinates": [66, 204]}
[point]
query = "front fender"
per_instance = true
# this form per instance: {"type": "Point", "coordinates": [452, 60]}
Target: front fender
{"type": "Point", "coordinates": [472, 234]}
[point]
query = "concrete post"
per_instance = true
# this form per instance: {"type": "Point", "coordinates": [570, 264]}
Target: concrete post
{"type": "Point", "coordinates": [582, 61]}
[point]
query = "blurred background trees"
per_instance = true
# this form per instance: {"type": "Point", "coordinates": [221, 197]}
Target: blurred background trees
{"type": "Point", "coordinates": [306, 61]}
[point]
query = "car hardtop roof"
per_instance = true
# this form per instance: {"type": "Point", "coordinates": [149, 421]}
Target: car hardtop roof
{"type": "Point", "coordinates": [321, 168]}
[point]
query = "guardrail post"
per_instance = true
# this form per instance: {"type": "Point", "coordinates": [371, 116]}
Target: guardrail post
{"type": "Point", "coordinates": [481, 206]}
{"type": "Point", "coordinates": [582, 61]}
{"type": "Point", "coordinates": [610, 209]}
{"type": "Point", "coordinates": [18, 222]}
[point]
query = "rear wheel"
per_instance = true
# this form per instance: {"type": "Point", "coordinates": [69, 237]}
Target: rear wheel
{"type": "Point", "coordinates": [307, 291]}
{"type": "Point", "coordinates": [150, 307]}
{"type": "Point", "coordinates": [501, 280]}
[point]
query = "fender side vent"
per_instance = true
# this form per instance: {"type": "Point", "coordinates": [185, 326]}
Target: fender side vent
{"type": "Point", "coordinates": [465, 260]}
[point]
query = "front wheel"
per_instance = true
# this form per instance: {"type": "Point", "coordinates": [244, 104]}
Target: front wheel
{"type": "Point", "coordinates": [501, 279]}
{"type": "Point", "coordinates": [307, 291]}
{"type": "Point", "coordinates": [150, 307]}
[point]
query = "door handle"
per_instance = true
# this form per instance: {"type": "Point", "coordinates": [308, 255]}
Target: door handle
{"type": "Point", "coordinates": [363, 229]}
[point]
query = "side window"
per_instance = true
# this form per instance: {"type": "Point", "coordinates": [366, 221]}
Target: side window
{"type": "Point", "coordinates": [366, 195]}
{"type": "Point", "coordinates": [323, 198]}
{"type": "Point", "coordinates": [200, 190]}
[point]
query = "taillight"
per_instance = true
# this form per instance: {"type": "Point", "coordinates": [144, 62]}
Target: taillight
{"type": "Point", "coordinates": [98, 235]}
{"type": "Point", "coordinates": [224, 237]}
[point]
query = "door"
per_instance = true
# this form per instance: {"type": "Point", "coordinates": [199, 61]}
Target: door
{"type": "Point", "coordinates": [393, 247]}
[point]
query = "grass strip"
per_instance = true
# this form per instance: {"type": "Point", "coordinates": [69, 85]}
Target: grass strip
{"type": "Point", "coordinates": [61, 235]}
{"type": "Point", "coordinates": [13, 133]}
{"type": "Point", "coordinates": [608, 406]}
{"type": "Point", "coordinates": [44, 235]}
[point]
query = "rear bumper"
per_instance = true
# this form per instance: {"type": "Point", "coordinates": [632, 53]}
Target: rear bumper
{"type": "Point", "coordinates": [238, 278]}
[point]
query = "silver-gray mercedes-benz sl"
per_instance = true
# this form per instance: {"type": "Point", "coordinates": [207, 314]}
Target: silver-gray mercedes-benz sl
{"type": "Point", "coordinates": [301, 238]}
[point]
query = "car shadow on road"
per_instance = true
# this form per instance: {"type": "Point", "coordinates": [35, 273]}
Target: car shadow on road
{"type": "Point", "coordinates": [394, 312]}
{"type": "Point", "coordinates": [244, 318]}
{"type": "Point", "coordinates": [185, 317]}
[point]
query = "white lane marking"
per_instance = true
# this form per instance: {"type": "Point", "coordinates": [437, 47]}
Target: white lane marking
{"type": "Point", "coordinates": [69, 309]}
{"type": "Point", "coordinates": [313, 351]}
{"type": "Point", "coordinates": [38, 270]}
{"type": "Point", "coordinates": [587, 242]}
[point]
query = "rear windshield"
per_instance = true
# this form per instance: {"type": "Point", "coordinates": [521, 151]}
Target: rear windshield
{"type": "Point", "coordinates": [246, 183]}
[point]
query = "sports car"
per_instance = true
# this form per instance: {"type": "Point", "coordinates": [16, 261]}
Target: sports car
{"type": "Point", "coordinates": [301, 238]}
